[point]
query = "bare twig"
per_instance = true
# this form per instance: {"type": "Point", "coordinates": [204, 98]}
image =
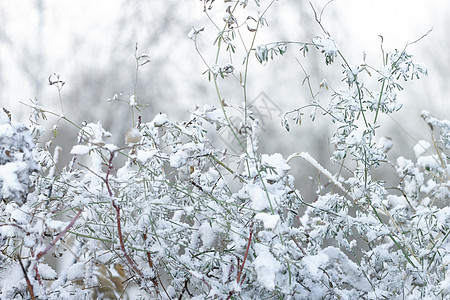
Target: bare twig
{"type": "Point", "coordinates": [319, 17]}
{"type": "Point", "coordinates": [413, 42]}
{"type": "Point", "coordinates": [131, 262]}
{"type": "Point", "coordinates": [53, 243]}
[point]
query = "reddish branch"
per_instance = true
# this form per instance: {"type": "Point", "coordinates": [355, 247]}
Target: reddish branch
{"type": "Point", "coordinates": [38, 276]}
{"type": "Point", "coordinates": [130, 261]}
{"type": "Point", "coordinates": [116, 206]}
{"type": "Point", "coordinates": [14, 225]}
{"type": "Point", "coordinates": [241, 267]}
{"type": "Point", "coordinates": [58, 237]}
{"type": "Point", "coordinates": [128, 258]}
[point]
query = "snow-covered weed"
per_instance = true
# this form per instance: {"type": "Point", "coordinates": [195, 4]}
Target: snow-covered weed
{"type": "Point", "coordinates": [168, 215]}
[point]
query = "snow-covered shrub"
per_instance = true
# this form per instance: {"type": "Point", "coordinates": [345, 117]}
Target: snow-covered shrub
{"type": "Point", "coordinates": [168, 215]}
{"type": "Point", "coordinates": [17, 163]}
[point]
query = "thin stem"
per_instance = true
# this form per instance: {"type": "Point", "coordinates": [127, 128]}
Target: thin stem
{"type": "Point", "coordinates": [358, 88]}
{"type": "Point", "coordinates": [244, 84]}
{"type": "Point", "coordinates": [379, 102]}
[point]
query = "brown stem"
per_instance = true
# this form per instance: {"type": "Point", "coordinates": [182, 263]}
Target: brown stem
{"type": "Point", "coordinates": [153, 267]}
{"type": "Point", "coordinates": [298, 245]}
{"type": "Point", "coordinates": [132, 264]}
{"type": "Point", "coordinates": [130, 260]}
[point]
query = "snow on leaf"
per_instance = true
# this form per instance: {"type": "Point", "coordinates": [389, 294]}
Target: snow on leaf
{"type": "Point", "coordinates": [47, 272]}
{"type": "Point", "coordinates": [145, 155]}
{"type": "Point", "coordinates": [160, 120]}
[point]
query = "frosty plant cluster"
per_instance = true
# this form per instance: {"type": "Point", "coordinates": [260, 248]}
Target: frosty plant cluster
{"type": "Point", "coordinates": [168, 215]}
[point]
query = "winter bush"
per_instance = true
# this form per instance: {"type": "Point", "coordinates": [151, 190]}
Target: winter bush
{"type": "Point", "coordinates": [168, 215]}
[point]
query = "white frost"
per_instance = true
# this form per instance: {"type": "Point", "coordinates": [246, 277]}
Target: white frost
{"type": "Point", "coordinates": [47, 272]}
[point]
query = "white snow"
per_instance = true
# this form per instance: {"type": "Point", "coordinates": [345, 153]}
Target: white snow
{"type": "Point", "coordinates": [258, 197]}
{"type": "Point", "coordinates": [354, 138]}
{"type": "Point", "coordinates": [210, 113]}
{"type": "Point", "coordinates": [21, 215]}
{"type": "Point", "coordinates": [160, 119]}
{"type": "Point", "coordinates": [193, 32]}
{"type": "Point", "coordinates": [75, 271]}
{"type": "Point", "coordinates": [6, 130]}
{"type": "Point", "coordinates": [145, 155]}
{"type": "Point", "coordinates": [306, 156]}
{"type": "Point", "coordinates": [110, 147]}
{"type": "Point", "coordinates": [420, 148]}
{"type": "Point", "coordinates": [270, 221]}
{"type": "Point", "coordinates": [429, 162]}
{"type": "Point", "coordinates": [385, 143]}
{"type": "Point", "coordinates": [80, 150]}
{"type": "Point", "coordinates": [10, 275]}
{"type": "Point", "coordinates": [133, 100]}
{"type": "Point", "coordinates": [315, 262]}
{"type": "Point", "coordinates": [277, 162]}
{"type": "Point", "coordinates": [133, 136]}
{"type": "Point", "coordinates": [179, 158]}
{"type": "Point", "coordinates": [327, 44]}
{"type": "Point", "coordinates": [261, 53]}
{"type": "Point", "coordinates": [56, 225]}
{"type": "Point", "coordinates": [266, 267]}
{"type": "Point", "coordinates": [207, 234]}
{"type": "Point", "coordinates": [9, 179]}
